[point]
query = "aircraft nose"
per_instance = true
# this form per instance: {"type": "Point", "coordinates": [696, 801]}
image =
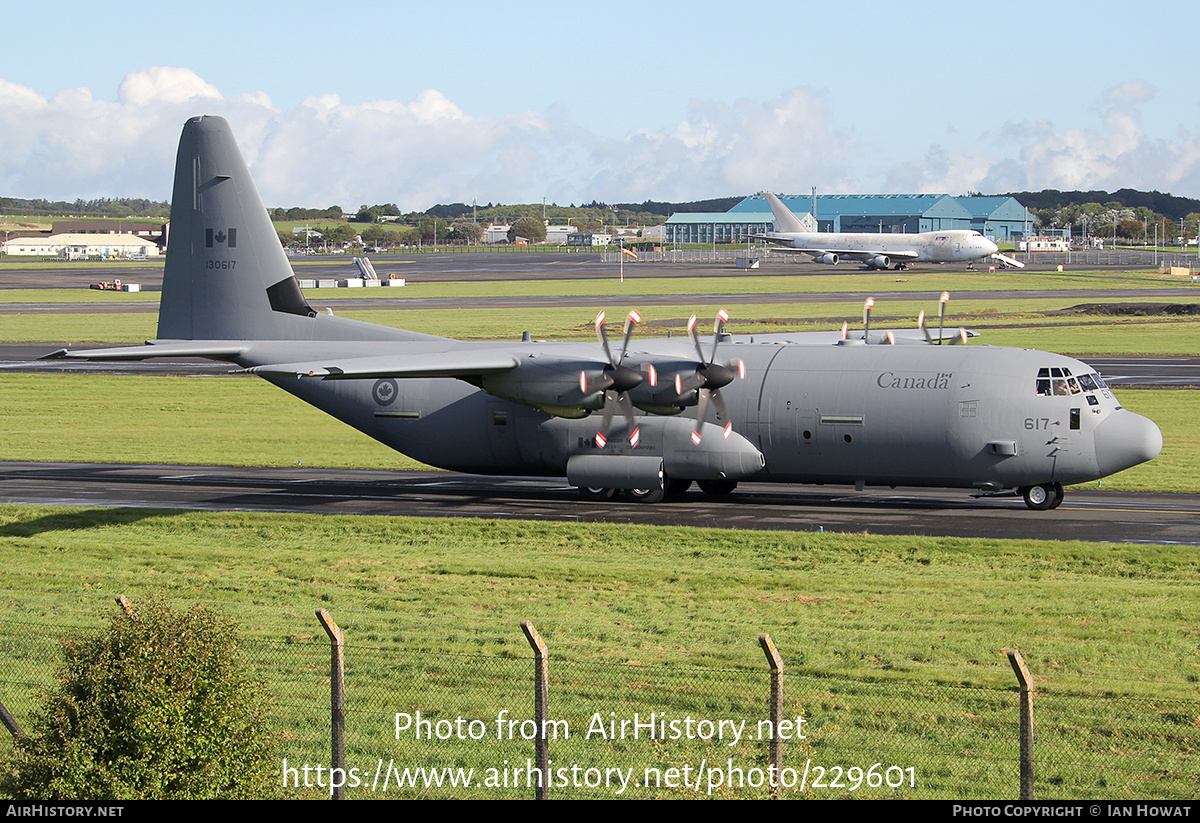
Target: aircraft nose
{"type": "Point", "coordinates": [989, 247]}
{"type": "Point", "coordinates": [1125, 439]}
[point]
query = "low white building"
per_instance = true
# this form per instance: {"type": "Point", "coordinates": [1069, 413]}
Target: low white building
{"type": "Point", "coordinates": [496, 234]}
{"type": "Point", "coordinates": [588, 239]}
{"type": "Point", "coordinates": [558, 234]}
{"type": "Point", "coordinates": [82, 246]}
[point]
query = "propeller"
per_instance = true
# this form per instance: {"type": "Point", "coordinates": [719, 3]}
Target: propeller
{"type": "Point", "coordinates": [615, 381]}
{"type": "Point", "coordinates": [961, 337]}
{"type": "Point", "coordinates": [709, 378]}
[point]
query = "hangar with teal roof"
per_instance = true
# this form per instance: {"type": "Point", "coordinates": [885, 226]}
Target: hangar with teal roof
{"type": "Point", "coordinates": [1002, 219]}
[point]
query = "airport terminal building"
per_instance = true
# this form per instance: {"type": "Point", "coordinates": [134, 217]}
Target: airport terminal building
{"type": "Point", "coordinates": [1001, 219]}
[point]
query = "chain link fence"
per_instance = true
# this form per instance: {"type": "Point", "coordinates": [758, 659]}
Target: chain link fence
{"type": "Point", "coordinates": [631, 716]}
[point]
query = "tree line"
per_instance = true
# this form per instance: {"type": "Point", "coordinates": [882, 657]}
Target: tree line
{"type": "Point", "coordinates": [1126, 214]}
{"type": "Point", "coordinates": [100, 207]}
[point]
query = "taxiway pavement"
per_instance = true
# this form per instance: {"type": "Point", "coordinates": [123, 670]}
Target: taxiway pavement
{"type": "Point", "coordinates": [1091, 515]}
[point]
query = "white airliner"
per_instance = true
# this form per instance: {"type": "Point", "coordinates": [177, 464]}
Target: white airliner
{"type": "Point", "coordinates": [875, 251]}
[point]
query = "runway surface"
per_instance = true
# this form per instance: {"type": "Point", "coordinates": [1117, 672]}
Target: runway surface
{"type": "Point", "coordinates": [1108, 517]}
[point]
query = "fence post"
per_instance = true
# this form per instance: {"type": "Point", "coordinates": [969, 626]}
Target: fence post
{"type": "Point", "coordinates": [337, 699]}
{"type": "Point", "coordinates": [541, 698]}
{"type": "Point", "coordinates": [10, 722]}
{"type": "Point", "coordinates": [1025, 679]}
{"type": "Point", "coordinates": [775, 755]}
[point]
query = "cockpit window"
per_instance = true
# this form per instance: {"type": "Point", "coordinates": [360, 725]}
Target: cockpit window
{"type": "Point", "coordinates": [1057, 381]}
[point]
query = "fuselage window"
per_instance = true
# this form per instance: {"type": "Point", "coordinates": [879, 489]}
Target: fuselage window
{"type": "Point", "coordinates": [1043, 382]}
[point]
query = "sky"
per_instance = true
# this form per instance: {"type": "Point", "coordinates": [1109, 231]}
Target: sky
{"type": "Point", "coordinates": [385, 102]}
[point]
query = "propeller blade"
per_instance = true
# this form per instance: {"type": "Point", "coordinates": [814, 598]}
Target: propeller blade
{"type": "Point", "coordinates": [695, 338]}
{"type": "Point", "coordinates": [701, 411]}
{"type": "Point", "coordinates": [719, 404]}
{"type": "Point", "coordinates": [630, 421]}
{"type": "Point", "coordinates": [718, 327]}
{"type": "Point", "coordinates": [942, 301]}
{"type": "Point", "coordinates": [632, 320]}
{"type": "Point", "coordinates": [610, 405]}
{"type": "Point", "coordinates": [921, 326]}
{"type": "Point", "coordinates": [603, 337]}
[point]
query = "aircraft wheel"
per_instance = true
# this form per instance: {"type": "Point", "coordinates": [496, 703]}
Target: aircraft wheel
{"type": "Point", "coordinates": [646, 495]}
{"type": "Point", "coordinates": [1058, 496]}
{"type": "Point", "coordinates": [717, 487]}
{"type": "Point", "coordinates": [595, 493]}
{"type": "Point", "coordinates": [677, 487]}
{"type": "Point", "coordinates": [1039, 498]}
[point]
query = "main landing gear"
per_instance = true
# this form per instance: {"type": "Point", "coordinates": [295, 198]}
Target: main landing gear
{"type": "Point", "coordinates": [1043, 497]}
{"type": "Point", "coordinates": [673, 488]}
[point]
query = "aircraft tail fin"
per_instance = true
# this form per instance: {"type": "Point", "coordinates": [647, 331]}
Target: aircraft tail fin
{"type": "Point", "coordinates": [226, 275]}
{"type": "Point", "coordinates": [785, 219]}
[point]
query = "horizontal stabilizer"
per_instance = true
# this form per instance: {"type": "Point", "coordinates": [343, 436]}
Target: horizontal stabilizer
{"type": "Point", "coordinates": [440, 364]}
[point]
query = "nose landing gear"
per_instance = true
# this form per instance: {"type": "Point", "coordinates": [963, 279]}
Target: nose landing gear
{"type": "Point", "coordinates": [1043, 497]}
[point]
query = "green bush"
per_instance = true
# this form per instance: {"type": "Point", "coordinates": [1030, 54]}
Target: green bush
{"type": "Point", "coordinates": [157, 706]}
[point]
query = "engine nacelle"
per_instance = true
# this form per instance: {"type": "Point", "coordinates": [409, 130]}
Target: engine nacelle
{"type": "Point", "coordinates": [551, 385]}
{"type": "Point", "coordinates": [828, 258]}
{"type": "Point", "coordinates": [881, 261]}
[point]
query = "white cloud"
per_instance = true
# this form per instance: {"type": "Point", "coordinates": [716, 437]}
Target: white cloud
{"type": "Point", "coordinates": [1117, 154]}
{"type": "Point", "coordinates": [164, 84]}
{"type": "Point", "coordinates": [785, 144]}
{"type": "Point", "coordinates": [428, 150]}
{"type": "Point", "coordinates": [939, 171]}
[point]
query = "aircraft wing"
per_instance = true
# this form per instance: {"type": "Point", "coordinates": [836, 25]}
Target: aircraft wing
{"type": "Point", "coordinates": [214, 349]}
{"type": "Point", "coordinates": [830, 338]}
{"type": "Point", "coordinates": [854, 254]}
{"type": "Point", "coordinates": [770, 238]}
{"type": "Point", "coordinates": [434, 364]}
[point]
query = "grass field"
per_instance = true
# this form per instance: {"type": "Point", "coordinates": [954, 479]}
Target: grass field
{"type": "Point", "coordinates": [891, 645]}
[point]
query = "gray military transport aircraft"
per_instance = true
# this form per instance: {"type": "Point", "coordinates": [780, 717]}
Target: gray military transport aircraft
{"type": "Point", "coordinates": [876, 251]}
{"type": "Point", "coordinates": [863, 409]}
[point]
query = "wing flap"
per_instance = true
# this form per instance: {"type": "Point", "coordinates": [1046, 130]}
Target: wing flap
{"type": "Point", "coordinates": [436, 364]}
